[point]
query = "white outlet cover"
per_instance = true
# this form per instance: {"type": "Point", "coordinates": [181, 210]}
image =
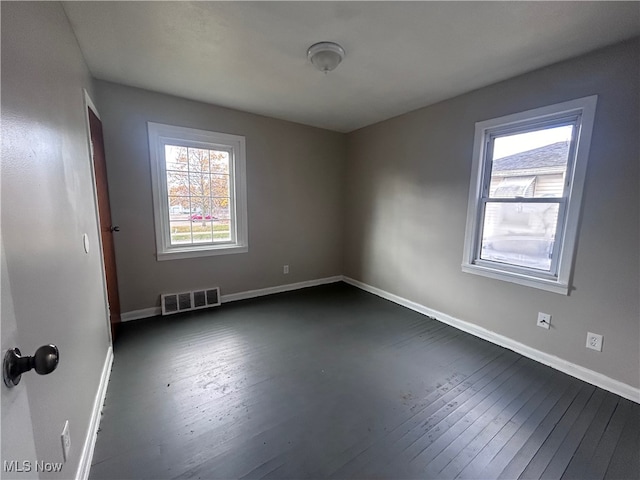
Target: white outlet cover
{"type": "Point", "coordinates": [544, 320]}
{"type": "Point", "coordinates": [65, 437]}
{"type": "Point", "coordinates": [594, 341]}
{"type": "Point", "coordinates": [285, 269]}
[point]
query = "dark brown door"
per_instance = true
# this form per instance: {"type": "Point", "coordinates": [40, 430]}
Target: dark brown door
{"type": "Point", "coordinates": [106, 230]}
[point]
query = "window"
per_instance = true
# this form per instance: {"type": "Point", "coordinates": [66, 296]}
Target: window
{"type": "Point", "coordinates": [526, 188]}
{"type": "Point", "coordinates": [199, 192]}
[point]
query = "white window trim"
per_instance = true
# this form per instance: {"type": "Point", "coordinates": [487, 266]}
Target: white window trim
{"type": "Point", "coordinates": [159, 134]}
{"type": "Point", "coordinates": [560, 283]}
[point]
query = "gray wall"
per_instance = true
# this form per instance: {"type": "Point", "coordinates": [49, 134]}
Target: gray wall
{"type": "Point", "coordinates": [408, 183]}
{"type": "Point", "coordinates": [295, 196]}
{"type": "Point", "coordinates": [47, 204]}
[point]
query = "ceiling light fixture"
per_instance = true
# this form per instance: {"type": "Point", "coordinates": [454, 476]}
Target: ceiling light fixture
{"type": "Point", "coordinates": [325, 56]}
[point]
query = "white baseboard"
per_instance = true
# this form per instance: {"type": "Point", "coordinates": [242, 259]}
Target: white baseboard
{"type": "Point", "coordinates": [90, 441]}
{"type": "Point", "coordinates": [232, 297]}
{"type": "Point", "coordinates": [138, 314]}
{"type": "Point", "coordinates": [582, 373]}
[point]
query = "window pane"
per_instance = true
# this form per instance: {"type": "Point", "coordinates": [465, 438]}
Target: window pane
{"type": "Point", "coordinates": [200, 184]}
{"type": "Point", "coordinates": [198, 160]}
{"type": "Point", "coordinates": [219, 162]}
{"type": "Point", "coordinates": [221, 231]}
{"type": "Point", "coordinates": [221, 209]}
{"type": "Point", "coordinates": [202, 231]}
{"type": "Point", "coordinates": [178, 208]}
{"type": "Point", "coordinates": [200, 208]}
{"type": "Point", "coordinates": [220, 186]}
{"type": "Point", "coordinates": [531, 164]}
{"type": "Point", "coordinates": [180, 232]}
{"type": "Point", "coordinates": [177, 183]}
{"type": "Point", "coordinates": [519, 234]}
{"type": "Point", "coordinates": [512, 187]}
{"type": "Point", "coordinates": [175, 158]}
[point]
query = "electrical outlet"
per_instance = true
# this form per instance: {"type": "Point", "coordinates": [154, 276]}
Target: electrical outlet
{"type": "Point", "coordinates": [544, 320]}
{"type": "Point", "coordinates": [594, 341]}
{"type": "Point", "coordinates": [285, 269]}
{"type": "Point", "coordinates": [66, 441]}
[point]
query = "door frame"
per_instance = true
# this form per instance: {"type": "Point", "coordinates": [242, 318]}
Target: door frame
{"type": "Point", "coordinates": [88, 104]}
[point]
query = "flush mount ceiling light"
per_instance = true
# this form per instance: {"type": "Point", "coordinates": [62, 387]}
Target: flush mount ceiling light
{"type": "Point", "coordinates": [325, 56]}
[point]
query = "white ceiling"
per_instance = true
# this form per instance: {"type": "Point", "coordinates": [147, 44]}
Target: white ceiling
{"type": "Point", "coordinates": [251, 56]}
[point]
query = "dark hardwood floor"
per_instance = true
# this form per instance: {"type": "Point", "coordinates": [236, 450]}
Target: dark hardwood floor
{"type": "Point", "coordinates": [332, 382]}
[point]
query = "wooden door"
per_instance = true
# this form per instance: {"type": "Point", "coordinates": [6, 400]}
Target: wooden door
{"type": "Point", "coordinates": [106, 228]}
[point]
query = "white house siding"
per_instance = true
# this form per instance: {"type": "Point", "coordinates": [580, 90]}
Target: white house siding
{"type": "Point", "coordinates": [549, 185]}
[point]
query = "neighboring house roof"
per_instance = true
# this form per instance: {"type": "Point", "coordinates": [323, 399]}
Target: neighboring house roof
{"type": "Point", "coordinates": [554, 155]}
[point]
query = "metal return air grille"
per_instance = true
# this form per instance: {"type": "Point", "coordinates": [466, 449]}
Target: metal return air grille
{"type": "Point", "coordinates": [185, 301]}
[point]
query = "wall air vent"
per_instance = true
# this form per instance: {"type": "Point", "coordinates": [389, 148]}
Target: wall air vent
{"type": "Point", "coordinates": [199, 299]}
{"type": "Point", "coordinates": [185, 301]}
{"type": "Point", "coordinates": [169, 304]}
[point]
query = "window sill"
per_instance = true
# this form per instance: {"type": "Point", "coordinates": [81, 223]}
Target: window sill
{"type": "Point", "coordinates": [521, 279]}
{"type": "Point", "coordinates": [204, 251]}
